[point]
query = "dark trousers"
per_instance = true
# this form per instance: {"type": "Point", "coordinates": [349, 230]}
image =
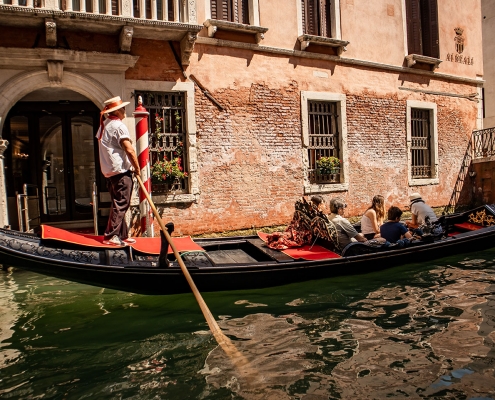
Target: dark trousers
{"type": "Point", "coordinates": [120, 188]}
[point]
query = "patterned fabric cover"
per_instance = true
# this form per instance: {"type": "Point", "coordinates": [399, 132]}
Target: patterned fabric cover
{"type": "Point", "coordinates": [308, 224]}
{"type": "Point", "coordinates": [297, 234]}
{"type": "Point", "coordinates": [324, 229]}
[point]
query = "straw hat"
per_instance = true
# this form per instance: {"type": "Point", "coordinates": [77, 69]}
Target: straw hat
{"type": "Point", "coordinates": [414, 196]}
{"type": "Point", "coordinates": [114, 104]}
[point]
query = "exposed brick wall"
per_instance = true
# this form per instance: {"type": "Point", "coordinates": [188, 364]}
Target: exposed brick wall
{"type": "Point", "coordinates": [376, 143]}
{"type": "Point", "coordinates": [249, 156]}
{"type": "Point", "coordinates": [156, 61]}
{"type": "Point", "coordinates": [249, 160]}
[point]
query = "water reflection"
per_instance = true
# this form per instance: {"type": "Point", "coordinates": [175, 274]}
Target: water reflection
{"type": "Point", "coordinates": [419, 331]}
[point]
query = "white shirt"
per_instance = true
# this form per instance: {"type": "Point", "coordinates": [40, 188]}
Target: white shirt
{"type": "Point", "coordinates": [113, 158]}
{"type": "Point", "coordinates": [422, 210]}
{"type": "Point", "coordinates": [366, 225]}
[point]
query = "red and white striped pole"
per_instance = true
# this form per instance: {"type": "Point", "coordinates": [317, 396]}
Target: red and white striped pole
{"type": "Point", "coordinates": [142, 147]}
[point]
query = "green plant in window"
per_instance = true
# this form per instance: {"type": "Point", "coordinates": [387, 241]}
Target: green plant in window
{"type": "Point", "coordinates": [328, 165]}
{"type": "Point", "coordinates": [158, 125]}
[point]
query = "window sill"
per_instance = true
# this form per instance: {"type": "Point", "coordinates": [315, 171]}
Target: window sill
{"type": "Point", "coordinates": [420, 60]}
{"type": "Point", "coordinates": [306, 40]}
{"type": "Point", "coordinates": [214, 25]}
{"type": "Point", "coordinates": [174, 198]}
{"type": "Point", "coordinates": [424, 182]}
{"type": "Point", "coordinates": [326, 188]}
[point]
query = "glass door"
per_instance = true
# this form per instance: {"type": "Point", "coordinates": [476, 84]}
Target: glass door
{"type": "Point", "coordinates": [53, 170]}
{"type": "Point", "coordinates": [83, 164]}
{"type": "Point", "coordinates": [54, 150]}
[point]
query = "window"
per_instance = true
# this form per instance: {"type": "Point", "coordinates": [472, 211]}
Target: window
{"type": "Point", "coordinates": [230, 10]}
{"type": "Point", "coordinates": [323, 138]}
{"type": "Point", "coordinates": [324, 129]}
{"type": "Point", "coordinates": [167, 141]}
{"type": "Point", "coordinates": [422, 142]}
{"type": "Point", "coordinates": [316, 17]}
{"type": "Point", "coordinates": [422, 28]}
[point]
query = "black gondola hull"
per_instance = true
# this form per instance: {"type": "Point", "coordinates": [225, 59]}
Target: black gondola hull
{"type": "Point", "coordinates": [120, 270]}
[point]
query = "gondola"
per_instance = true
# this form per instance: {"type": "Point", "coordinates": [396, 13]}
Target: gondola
{"type": "Point", "coordinates": [231, 263]}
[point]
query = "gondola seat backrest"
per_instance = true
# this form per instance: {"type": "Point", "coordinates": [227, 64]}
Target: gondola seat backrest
{"type": "Point", "coordinates": [323, 228]}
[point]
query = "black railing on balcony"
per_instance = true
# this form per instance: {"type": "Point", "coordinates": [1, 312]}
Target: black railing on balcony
{"type": "Point", "coordinates": [483, 143]}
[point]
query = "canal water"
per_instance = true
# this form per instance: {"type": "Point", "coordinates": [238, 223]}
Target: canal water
{"type": "Point", "coordinates": [416, 331]}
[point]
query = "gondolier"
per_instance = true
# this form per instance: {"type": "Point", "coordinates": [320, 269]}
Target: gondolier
{"type": "Point", "coordinates": [118, 162]}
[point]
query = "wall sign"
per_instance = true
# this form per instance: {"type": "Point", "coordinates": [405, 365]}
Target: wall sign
{"type": "Point", "coordinates": [458, 57]}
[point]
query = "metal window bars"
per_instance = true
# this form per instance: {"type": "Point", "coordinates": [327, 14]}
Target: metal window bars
{"type": "Point", "coordinates": [420, 144]}
{"type": "Point", "coordinates": [167, 134]}
{"type": "Point", "coordinates": [324, 139]}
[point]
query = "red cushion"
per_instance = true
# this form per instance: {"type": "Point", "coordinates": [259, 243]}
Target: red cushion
{"type": "Point", "coordinates": [468, 226]}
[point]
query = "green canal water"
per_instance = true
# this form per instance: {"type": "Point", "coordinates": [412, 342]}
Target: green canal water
{"type": "Point", "coordinates": [412, 332]}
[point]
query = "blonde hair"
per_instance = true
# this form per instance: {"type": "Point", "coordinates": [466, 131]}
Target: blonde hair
{"type": "Point", "coordinates": [378, 204]}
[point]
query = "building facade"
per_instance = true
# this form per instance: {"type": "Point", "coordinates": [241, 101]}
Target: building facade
{"type": "Point", "coordinates": [245, 97]}
{"type": "Point", "coordinates": [488, 15]}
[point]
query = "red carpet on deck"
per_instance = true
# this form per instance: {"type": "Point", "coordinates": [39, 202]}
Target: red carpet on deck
{"type": "Point", "coordinates": [304, 252]}
{"type": "Point", "coordinates": [143, 244]}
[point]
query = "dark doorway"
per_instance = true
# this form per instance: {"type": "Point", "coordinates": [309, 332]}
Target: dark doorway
{"type": "Point", "coordinates": [52, 149]}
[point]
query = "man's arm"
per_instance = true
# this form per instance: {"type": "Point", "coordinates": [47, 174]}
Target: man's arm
{"type": "Point", "coordinates": [360, 237]}
{"type": "Point", "coordinates": [127, 146]}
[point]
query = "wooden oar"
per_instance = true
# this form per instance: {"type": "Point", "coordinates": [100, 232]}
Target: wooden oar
{"type": "Point", "coordinates": [222, 340]}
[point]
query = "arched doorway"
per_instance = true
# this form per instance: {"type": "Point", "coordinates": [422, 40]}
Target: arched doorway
{"type": "Point", "coordinates": [53, 151]}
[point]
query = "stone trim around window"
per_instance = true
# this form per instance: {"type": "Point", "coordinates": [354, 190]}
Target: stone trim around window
{"type": "Point", "coordinates": [215, 24]}
{"type": "Point", "coordinates": [188, 88]}
{"type": "Point", "coordinates": [434, 180]}
{"type": "Point", "coordinates": [306, 40]}
{"type": "Point", "coordinates": [311, 188]}
{"type": "Point", "coordinates": [418, 59]}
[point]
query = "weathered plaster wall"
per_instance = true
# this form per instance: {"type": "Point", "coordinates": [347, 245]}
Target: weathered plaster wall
{"type": "Point", "coordinates": [488, 15]}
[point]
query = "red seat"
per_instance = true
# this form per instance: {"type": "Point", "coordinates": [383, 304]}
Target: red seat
{"type": "Point", "coordinates": [468, 226]}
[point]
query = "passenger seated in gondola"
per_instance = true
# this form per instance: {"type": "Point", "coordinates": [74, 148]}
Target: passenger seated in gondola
{"type": "Point", "coordinates": [393, 230]}
{"type": "Point", "coordinates": [345, 231]}
{"type": "Point", "coordinates": [419, 211]}
{"type": "Point", "coordinates": [373, 218]}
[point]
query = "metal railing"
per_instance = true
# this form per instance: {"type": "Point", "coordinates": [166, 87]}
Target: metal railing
{"type": "Point", "coordinates": [28, 210]}
{"type": "Point", "coordinates": [483, 143]}
{"type": "Point", "coordinates": [157, 10]}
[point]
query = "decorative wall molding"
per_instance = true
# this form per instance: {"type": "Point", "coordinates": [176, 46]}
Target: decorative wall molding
{"type": "Point", "coordinates": [187, 46]}
{"type": "Point", "coordinates": [214, 25]}
{"type": "Point", "coordinates": [55, 71]}
{"type": "Point", "coordinates": [413, 59]}
{"type": "Point", "coordinates": [15, 58]}
{"type": "Point", "coordinates": [306, 40]}
{"type": "Point", "coordinates": [125, 39]}
{"type": "Point", "coordinates": [51, 32]}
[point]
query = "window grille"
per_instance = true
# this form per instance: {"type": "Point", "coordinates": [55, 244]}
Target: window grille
{"type": "Point", "coordinates": [324, 139]}
{"type": "Point", "coordinates": [167, 133]}
{"type": "Point", "coordinates": [316, 17]}
{"type": "Point", "coordinates": [230, 10]}
{"type": "Point", "coordinates": [420, 143]}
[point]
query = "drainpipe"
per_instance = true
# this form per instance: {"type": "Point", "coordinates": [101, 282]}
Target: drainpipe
{"type": "Point", "coordinates": [4, 216]}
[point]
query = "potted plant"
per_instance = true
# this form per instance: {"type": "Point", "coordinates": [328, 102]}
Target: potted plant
{"type": "Point", "coordinates": [167, 171]}
{"type": "Point", "coordinates": [328, 165]}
